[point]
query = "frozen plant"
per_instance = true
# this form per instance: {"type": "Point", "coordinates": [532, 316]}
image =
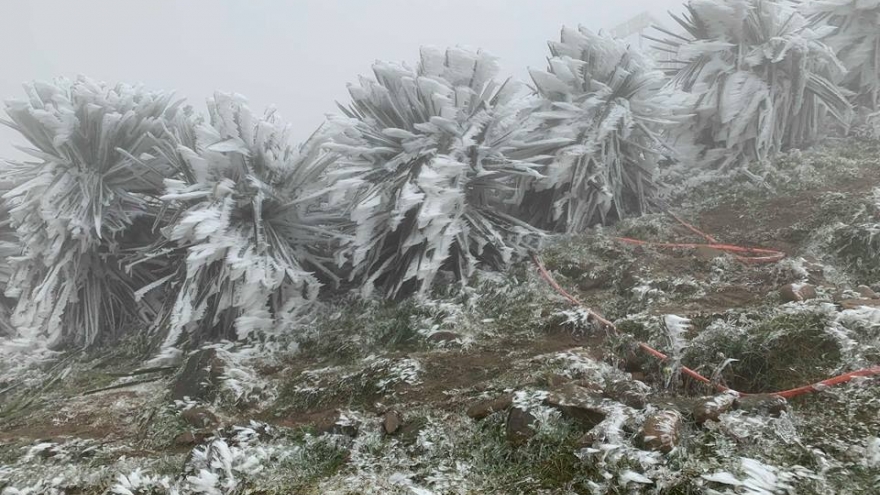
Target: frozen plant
{"type": "Point", "coordinates": [529, 399]}
{"type": "Point", "coordinates": [872, 453]}
{"type": "Point", "coordinates": [87, 198]}
{"type": "Point", "coordinates": [603, 101]}
{"type": "Point", "coordinates": [222, 467]}
{"type": "Point", "coordinates": [9, 248]}
{"type": "Point", "coordinates": [392, 372]}
{"type": "Point", "coordinates": [240, 382]}
{"type": "Point", "coordinates": [761, 77]}
{"type": "Point", "coordinates": [436, 155]}
{"type": "Point", "coordinates": [757, 479]}
{"type": "Point", "coordinates": [140, 482]}
{"type": "Point", "coordinates": [248, 227]}
{"type": "Point", "coordinates": [676, 331]}
{"type": "Point", "coordinates": [855, 40]}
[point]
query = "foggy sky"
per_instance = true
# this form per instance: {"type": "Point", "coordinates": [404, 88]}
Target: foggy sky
{"type": "Point", "coordinates": [297, 55]}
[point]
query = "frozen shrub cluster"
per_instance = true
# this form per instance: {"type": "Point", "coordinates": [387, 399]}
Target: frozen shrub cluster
{"type": "Point", "coordinates": [760, 77]}
{"type": "Point", "coordinates": [136, 211]}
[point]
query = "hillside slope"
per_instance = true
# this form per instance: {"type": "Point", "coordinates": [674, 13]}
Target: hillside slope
{"type": "Point", "coordinates": [503, 386]}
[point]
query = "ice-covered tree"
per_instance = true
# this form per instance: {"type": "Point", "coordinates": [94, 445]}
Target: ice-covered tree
{"type": "Point", "coordinates": [856, 40]}
{"type": "Point", "coordinates": [761, 76]}
{"type": "Point", "coordinates": [249, 224]}
{"type": "Point", "coordinates": [88, 195]}
{"type": "Point", "coordinates": [9, 249]}
{"type": "Point", "coordinates": [434, 154]}
{"type": "Point", "coordinates": [605, 98]}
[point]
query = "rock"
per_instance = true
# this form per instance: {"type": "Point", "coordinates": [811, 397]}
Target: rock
{"type": "Point", "coordinates": [713, 407]}
{"type": "Point", "coordinates": [189, 438]}
{"type": "Point", "coordinates": [199, 378]}
{"type": "Point", "coordinates": [662, 431]}
{"type": "Point", "coordinates": [858, 303]}
{"type": "Point", "coordinates": [444, 337]}
{"type": "Point", "coordinates": [633, 393]}
{"type": "Point", "coordinates": [639, 376]}
{"type": "Point", "coordinates": [199, 417]}
{"type": "Point", "coordinates": [335, 423]}
{"type": "Point", "coordinates": [589, 385]}
{"type": "Point", "coordinates": [578, 403]}
{"type": "Point", "coordinates": [586, 440]}
{"type": "Point", "coordinates": [587, 283]}
{"type": "Point", "coordinates": [483, 409]}
{"type": "Point", "coordinates": [391, 422]}
{"type": "Point", "coordinates": [518, 427]}
{"type": "Point", "coordinates": [554, 380]}
{"type": "Point", "coordinates": [867, 292]}
{"type": "Point", "coordinates": [762, 404]}
{"type": "Point", "coordinates": [797, 292]}
{"type": "Point", "coordinates": [408, 433]}
{"type": "Point", "coordinates": [48, 453]}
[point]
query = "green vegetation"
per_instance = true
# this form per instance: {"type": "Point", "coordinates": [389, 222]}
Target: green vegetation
{"type": "Point", "coordinates": [774, 354]}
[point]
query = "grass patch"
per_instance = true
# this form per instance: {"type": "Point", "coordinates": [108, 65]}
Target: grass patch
{"type": "Point", "coordinates": [354, 387]}
{"type": "Point", "coordinates": [545, 462]}
{"type": "Point", "coordinates": [160, 425]}
{"type": "Point", "coordinates": [353, 329]}
{"type": "Point", "coordinates": [314, 461]}
{"type": "Point", "coordinates": [778, 353]}
{"type": "Point", "coordinates": [858, 247]}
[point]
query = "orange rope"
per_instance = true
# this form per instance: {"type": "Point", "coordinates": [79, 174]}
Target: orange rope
{"type": "Point", "coordinates": [787, 394]}
{"type": "Point", "coordinates": [759, 255]}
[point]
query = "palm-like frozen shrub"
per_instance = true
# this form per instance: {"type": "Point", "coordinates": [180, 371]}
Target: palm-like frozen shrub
{"type": "Point", "coordinates": [761, 77]}
{"type": "Point", "coordinates": [9, 248]}
{"type": "Point", "coordinates": [247, 227]}
{"type": "Point", "coordinates": [606, 98]}
{"type": "Point", "coordinates": [856, 40]}
{"type": "Point", "coordinates": [435, 153]}
{"type": "Point", "coordinates": [88, 195]}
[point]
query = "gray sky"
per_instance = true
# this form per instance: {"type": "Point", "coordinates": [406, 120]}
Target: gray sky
{"type": "Point", "coordinates": [297, 55]}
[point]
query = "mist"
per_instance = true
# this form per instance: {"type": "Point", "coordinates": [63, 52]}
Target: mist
{"type": "Point", "coordinates": [297, 56]}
